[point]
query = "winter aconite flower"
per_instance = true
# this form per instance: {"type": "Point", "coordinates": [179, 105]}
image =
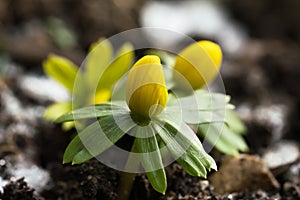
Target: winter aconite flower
{"type": "Point", "coordinates": [157, 136]}
{"type": "Point", "coordinates": [198, 63]}
{"type": "Point", "coordinates": [195, 67]}
{"type": "Point", "coordinates": [158, 124]}
{"type": "Point", "coordinates": [93, 85]}
{"type": "Point", "coordinates": [146, 92]}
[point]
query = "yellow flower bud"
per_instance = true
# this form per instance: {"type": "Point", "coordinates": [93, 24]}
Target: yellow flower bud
{"type": "Point", "coordinates": [146, 92]}
{"type": "Point", "coordinates": [198, 64]}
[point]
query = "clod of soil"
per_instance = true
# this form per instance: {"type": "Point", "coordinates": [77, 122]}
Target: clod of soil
{"type": "Point", "coordinates": [243, 173]}
{"type": "Point", "coordinates": [18, 190]}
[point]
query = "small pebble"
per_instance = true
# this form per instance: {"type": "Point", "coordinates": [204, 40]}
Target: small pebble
{"type": "Point", "coordinates": [2, 162]}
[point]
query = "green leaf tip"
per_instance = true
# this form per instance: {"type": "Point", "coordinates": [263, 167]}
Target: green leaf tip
{"type": "Point", "coordinates": [150, 157]}
{"type": "Point", "coordinates": [223, 138]}
{"type": "Point", "coordinates": [188, 151]}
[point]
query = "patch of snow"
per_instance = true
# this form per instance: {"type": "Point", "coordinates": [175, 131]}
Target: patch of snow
{"type": "Point", "coordinates": [2, 184]}
{"type": "Point", "coordinates": [43, 88]}
{"type": "Point", "coordinates": [286, 152]}
{"type": "Point", "coordinates": [203, 18]}
{"type": "Point", "coordinates": [36, 177]}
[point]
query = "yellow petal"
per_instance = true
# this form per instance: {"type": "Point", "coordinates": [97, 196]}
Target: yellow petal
{"type": "Point", "coordinates": [146, 92]}
{"type": "Point", "coordinates": [62, 70]}
{"type": "Point", "coordinates": [100, 96]}
{"type": "Point", "coordinates": [66, 126]}
{"type": "Point", "coordinates": [56, 110]}
{"type": "Point", "coordinates": [199, 64]}
{"type": "Point", "coordinates": [117, 68]}
{"type": "Point", "coordinates": [99, 57]}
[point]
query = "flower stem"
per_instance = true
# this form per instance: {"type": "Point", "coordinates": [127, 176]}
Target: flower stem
{"type": "Point", "coordinates": [127, 178]}
{"type": "Point", "coordinates": [126, 183]}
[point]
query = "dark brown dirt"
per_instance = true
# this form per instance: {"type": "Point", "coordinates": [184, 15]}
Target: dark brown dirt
{"type": "Point", "coordinates": [24, 35]}
{"type": "Point", "coordinates": [87, 181]}
{"type": "Point", "coordinates": [18, 190]}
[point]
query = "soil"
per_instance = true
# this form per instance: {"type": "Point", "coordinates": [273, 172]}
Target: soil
{"type": "Point", "coordinates": [263, 78]}
{"type": "Point", "coordinates": [18, 190]}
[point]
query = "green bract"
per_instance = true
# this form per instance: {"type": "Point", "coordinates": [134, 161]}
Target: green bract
{"type": "Point", "coordinates": [105, 132]}
{"type": "Point", "coordinates": [94, 84]}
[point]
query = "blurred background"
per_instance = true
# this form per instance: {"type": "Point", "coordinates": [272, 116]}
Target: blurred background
{"type": "Point", "coordinates": [260, 39]}
{"type": "Point", "coordinates": [261, 66]}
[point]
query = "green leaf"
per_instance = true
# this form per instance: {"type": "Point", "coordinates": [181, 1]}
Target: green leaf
{"type": "Point", "coordinates": [61, 34]}
{"type": "Point", "coordinates": [55, 110]}
{"type": "Point", "coordinates": [204, 101]}
{"type": "Point", "coordinates": [94, 111]}
{"type": "Point", "coordinates": [98, 137]}
{"type": "Point", "coordinates": [214, 139]}
{"type": "Point", "coordinates": [151, 159]}
{"type": "Point", "coordinates": [185, 147]}
{"type": "Point", "coordinates": [195, 117]}
{"type": "Point", "coordinates": [118, 67]}
{"type": "Point", "coordinates": [220, 136]}
{"type": "Point", "coordinates": [234, 122]}
{"type": "Point", "coordinates": [202, 107]}
{"type": "Point", "coordinates": [97, 61]}
{"type": "Point", "coordinates": [62, 70]}
{"type": "Point", "coordinates": [72, 149]}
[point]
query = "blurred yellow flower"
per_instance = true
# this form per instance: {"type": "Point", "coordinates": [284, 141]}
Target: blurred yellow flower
{"type": "Point", "coordinates": [197, 64]}
{"type": "Point", "coordinates": [94, 85]}
{"type": "Point", "coordinates": [146, 92]}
